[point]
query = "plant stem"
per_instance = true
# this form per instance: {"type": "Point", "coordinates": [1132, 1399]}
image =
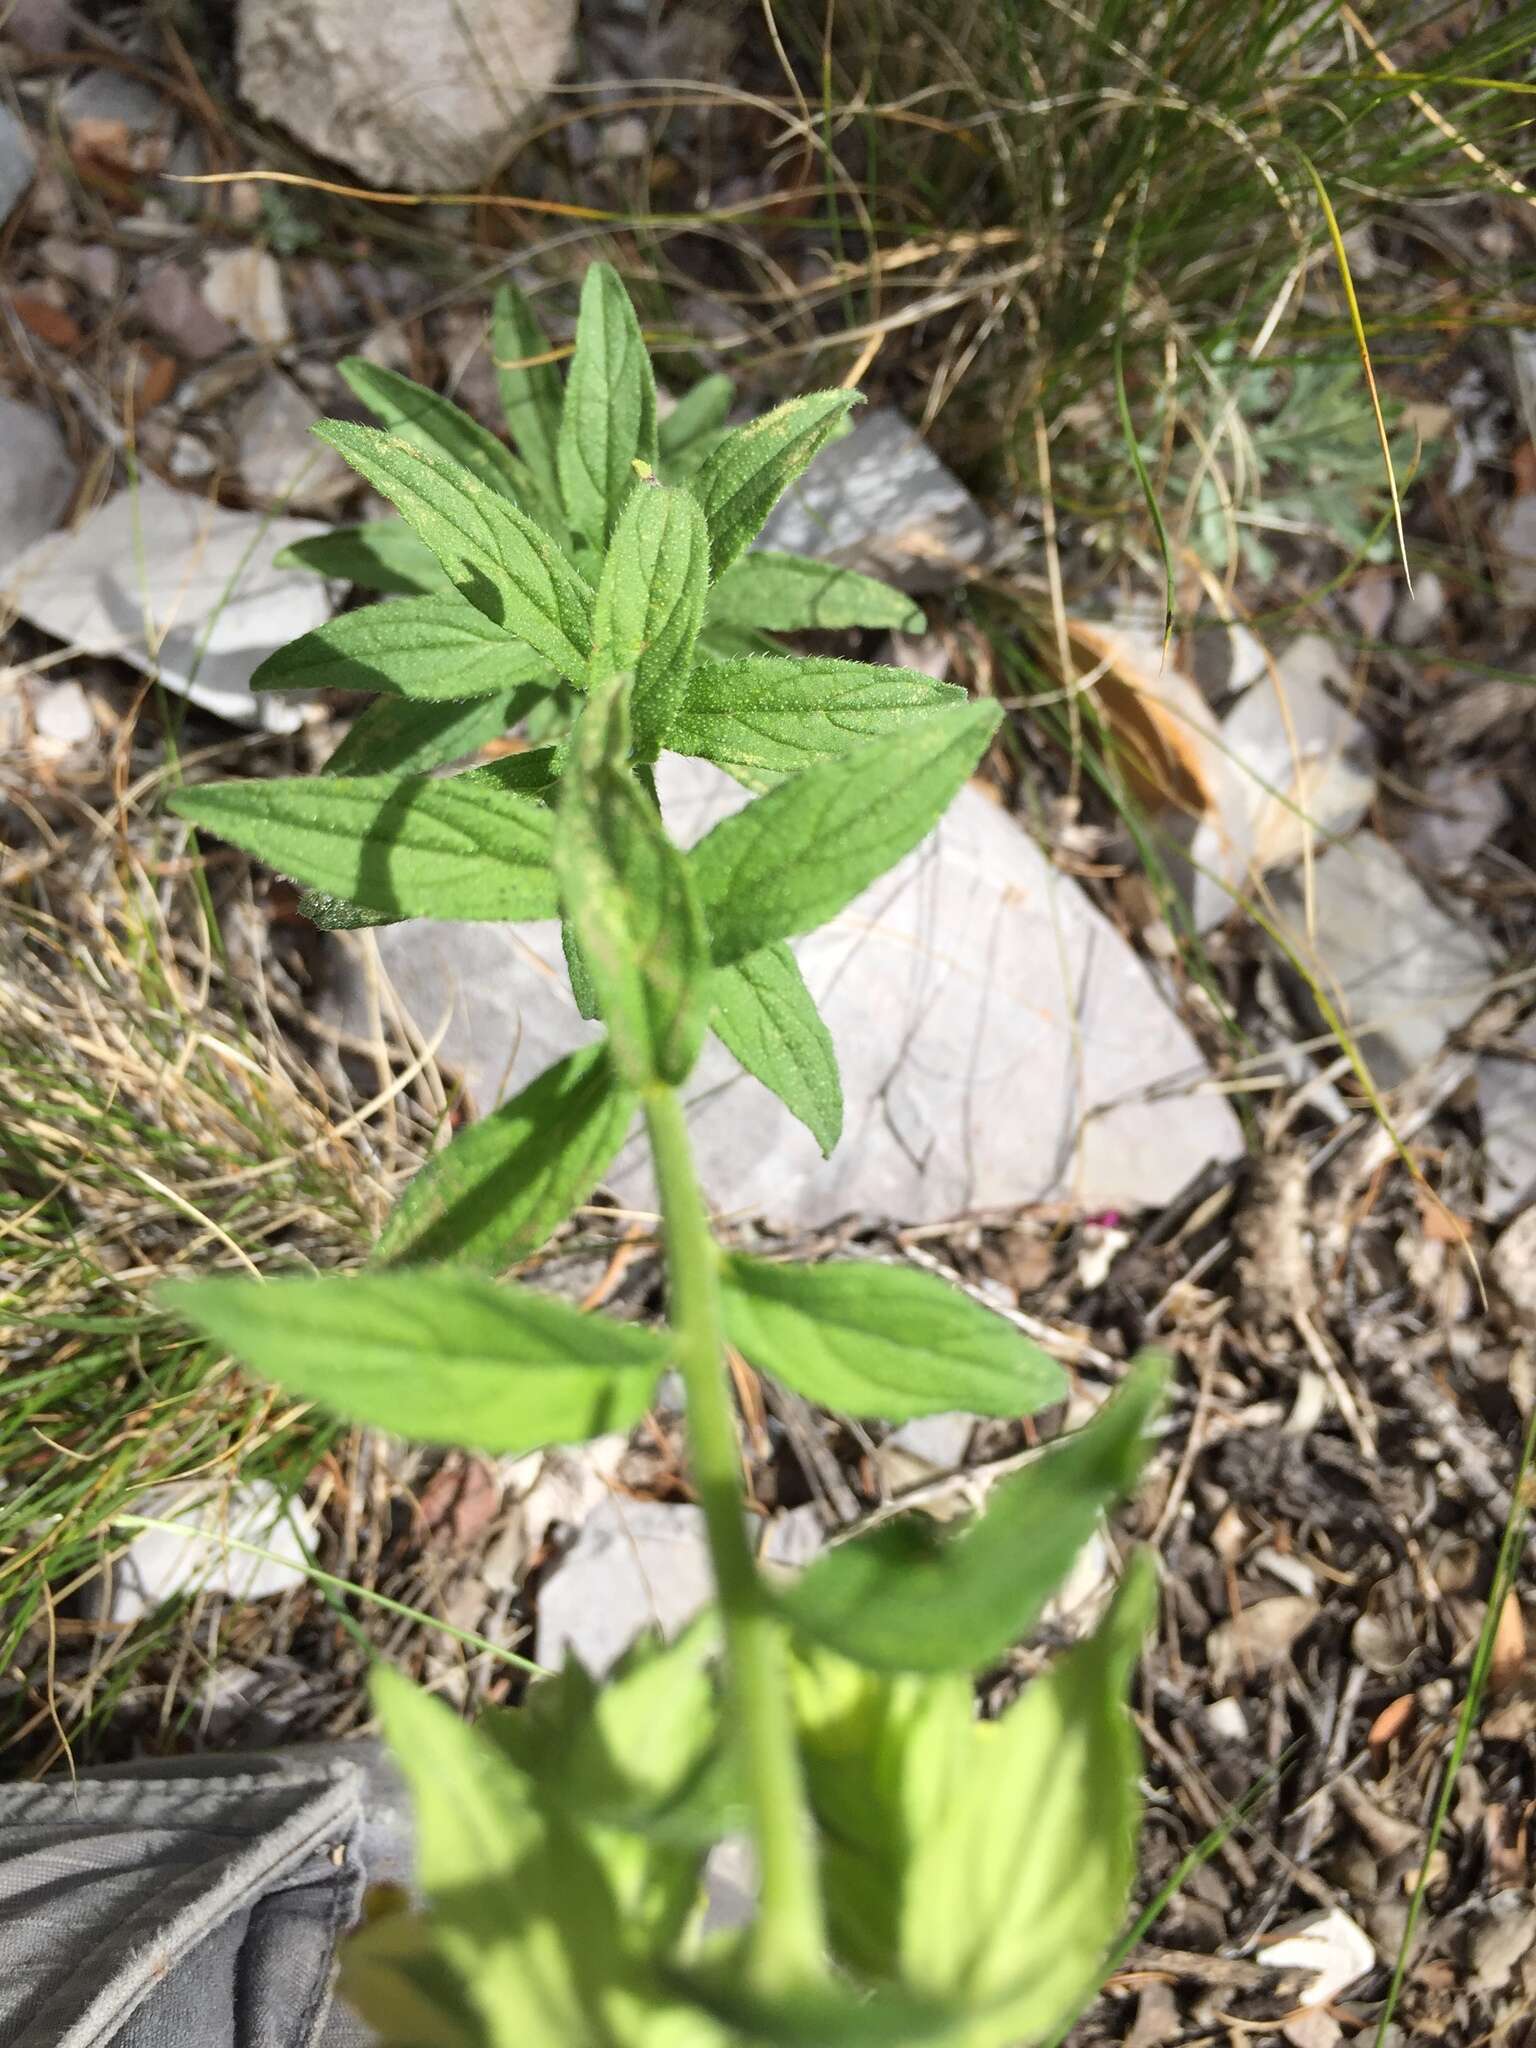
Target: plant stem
{"type": "Point", "coordinates": [788, 1945]}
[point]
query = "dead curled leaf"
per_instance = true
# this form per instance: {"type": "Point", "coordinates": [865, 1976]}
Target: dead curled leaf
{"type": "Point", "coordinates": [1156, 716]}
{"type": "Point", "coordinates": [1390, 1722]}
{"type": "Point", "coordinates": [1506, 1666]}
{"type": "Point", "coordinates": [1260, 1637]}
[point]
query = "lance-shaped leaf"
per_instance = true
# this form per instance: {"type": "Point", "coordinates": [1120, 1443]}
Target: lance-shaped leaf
{"type": "Point", "coordinates": [983, 1863]}
{"type": "Point", "coordinates": [546, 1931]}
{"type": "Point", "coordinates": [641, 1749]}
{"type": "Point", "coordinates": [396, 737]}
{"type": "Point", "coordinates": [413, 413]}
{"type": "Point", "coordinates": [692, 427]}
{"type": "Point", "coordinates": [329, 913]}
{"type": "Point", "coordinates": [765, 716]}
{"type": "Point", "coordinates": [908, 1597]}
{"type": "Point", "coordinates": [796, 593]}
{"type": "Point", "coordinates": [414, 847]}
{"type": "Point", "coordinates": [746, 474]}
{"type": "Point", "coordinates": [764, 1015]}
{"type": "Point", "coordinates": [382, 554]}
{"type": "Point", "coordinates": [794, 858]}
{"type": "Point", "coordinates": [534, 771]}
{"type": "Point", "coordinates": [1012, 1900]}
{"type": "Point", "coordinates": [734, 643]}
{"type": "Point", "coordinates": [583, 989]}
{"type": "Point", "coordinates": [649, 604]}
{"type": "Point", "coordinates": [504, 1183]}
{"type": "Point", "coordinates": [433, 649]}
{"type": "Point", "coordinates": [864, 1339]}
{"type": "Point", "coordinates": [609, 419]}
{"type": "Point", "coordinates": [442, 1357]}
{"type": "Point", "coordinates": [631, 903]}
{"type": "Point", "coordinates": [504, 564]}
{"type": "Point", "coordinates": [529, 381]}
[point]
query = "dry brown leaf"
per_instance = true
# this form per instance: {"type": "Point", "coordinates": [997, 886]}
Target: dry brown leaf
{"type": "Point", "coordinates": [158, 376]}
{"type": "Point", "coordinates": [1390, 1722]}
{"type": "Point", "coordinates": [101, 154]}
{"type": "Point", "coordinates": [1156, 714]}
{"type": "Point", "coordinates": [1443, 1225]}
{"type": "Point", "coordinates": [48, 322]}
{"type": "Point", "coordinates": [461, 1499]}
{"type": "Point", "coordinates": [1506, 1666]}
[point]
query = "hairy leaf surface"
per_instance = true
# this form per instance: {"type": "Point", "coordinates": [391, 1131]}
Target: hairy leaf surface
{"type": "Point", "coordinates": [438, 1356]}
{"type": "Point", "coordinates": [764, 1015]}
{"type": "Point", "coordinates": [905, 1598]}
{"type": "Point", "coordinates": [496, 557]}
{"type": "Point", "coordinates": [503, 1184]}
{"type": "Point", "coordinates": [765, 716]}
{"type": "Point", "coordinates": [795, 593]}
{"type": "Point", "coordinates": [794, 858]}
{"type": "Point", "coordinates": [749, 471]}
{"type": "Point", "coordinates": [631, 902]}
{"type": "Point", "coordinates": [888, 1341]}
{"type": "Point", "coordinates": [413, 847]}
{"type": "Point", "coordinates": [432, 649]}
{"type": "Point", "coordinates": [649, 605]}
{"type": "Point", "coordinates": [609, 419]}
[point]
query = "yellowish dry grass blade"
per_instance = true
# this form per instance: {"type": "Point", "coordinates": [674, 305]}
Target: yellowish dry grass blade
{"type": "Point", "coordinates": [1335, 235]}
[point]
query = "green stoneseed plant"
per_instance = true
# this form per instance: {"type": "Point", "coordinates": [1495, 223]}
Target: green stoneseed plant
{"type": "Point", "coordinates": [921, 1875]}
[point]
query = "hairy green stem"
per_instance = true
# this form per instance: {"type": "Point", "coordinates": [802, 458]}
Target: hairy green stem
{"type": "Point", "coordinates": [788, 1944]}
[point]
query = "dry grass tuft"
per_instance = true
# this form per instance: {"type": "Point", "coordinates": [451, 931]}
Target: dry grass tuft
{"type": "Point", "coordinates": [155, 1117]}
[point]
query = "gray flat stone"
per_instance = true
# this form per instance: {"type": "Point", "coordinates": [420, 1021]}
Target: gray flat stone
{"type": "Point", "coordinates": [426, 96]}
{"type": "Point", "coordinates": [1512, 1266]}
{"type": "Point", "coordinates": [939, 1440]}
{"type": "Point", "coordinates": [637, 1564]}
{"type": "Point", "coordinates": [1404, 972]}
{"type": "Point", "coordinates": [1514, 529]}
{"type": "Point", "coordinates": [169, 300]}
{"type": "Point", "coordinates": [42, 25]}
{"type": "Point", "coordinates": [160, 1563]}
{"type": "Point", "coordinates": [281, 462]}
{"type": "Point", "coordinates": [245, 287]}
{"type": "Point", "coordinates": [1300, 764]}
{"type": "Point", "coordinates": [1417, 617]}
{"type": "Point", "coordinates": [1466, 807]}
{"type": "Point", "coordinates": [880, 501]}
{"type": "Point", "coordinates": [1000, 1043]}
{"type": "Point", "coordinates": [18, 163]}
{"type": "Point", "coordinates": [1506, 1101]}
{"type": "Point", "coordinates": [36, 477]}
{"type": "Point", "coordinates": [114, 96]}
{"type": "Point", "coordinates": [177, 587]}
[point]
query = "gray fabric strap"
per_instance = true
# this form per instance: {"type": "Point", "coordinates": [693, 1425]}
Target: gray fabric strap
{"type": "Point", "coordinates": [187, 1908]}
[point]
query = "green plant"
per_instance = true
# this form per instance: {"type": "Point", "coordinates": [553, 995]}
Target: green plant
{"type": "Point", "coordinates": [920, 1876]}
{"type": "Point", "coordinates": [1023, 188]}
{"type": "Point", "coordinates": [1307, 447]}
